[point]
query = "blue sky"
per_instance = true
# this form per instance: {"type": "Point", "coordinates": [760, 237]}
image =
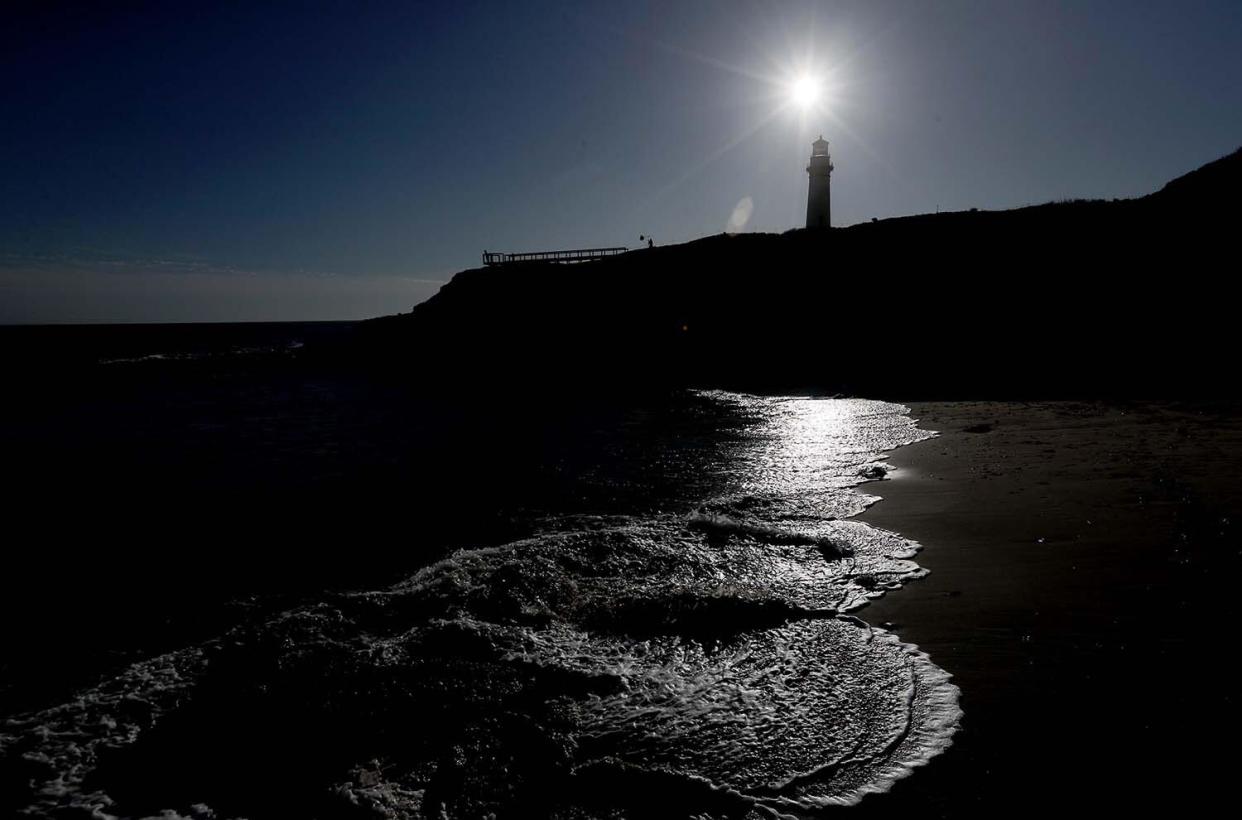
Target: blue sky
{"type": "Point", "coordinates": [164, 162]}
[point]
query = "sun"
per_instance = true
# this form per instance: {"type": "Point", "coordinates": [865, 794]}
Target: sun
{"type": "Point", "coordinates": [804, 91]}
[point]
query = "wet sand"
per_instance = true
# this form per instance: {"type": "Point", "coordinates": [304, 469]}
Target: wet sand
{"type": "Point", "coordinates": [1083, 564]}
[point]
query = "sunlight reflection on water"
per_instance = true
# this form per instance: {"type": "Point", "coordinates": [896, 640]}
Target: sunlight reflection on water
{"type": "Point", "coordinates": [704, 646]}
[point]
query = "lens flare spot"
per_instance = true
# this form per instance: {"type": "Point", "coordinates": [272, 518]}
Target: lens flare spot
{"type": "Point", "coordinates": [741, 215]}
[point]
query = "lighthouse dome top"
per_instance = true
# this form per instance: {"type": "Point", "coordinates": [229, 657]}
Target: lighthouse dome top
{"type": "Point", "coordinates": [819, 147]}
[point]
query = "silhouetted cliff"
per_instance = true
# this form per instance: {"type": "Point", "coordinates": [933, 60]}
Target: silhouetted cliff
{"type": "Point", "coordinates": [1094, 298]}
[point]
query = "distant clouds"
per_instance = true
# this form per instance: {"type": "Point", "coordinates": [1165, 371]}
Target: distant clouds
{"type": "Point", "coordinates": [104, 261]}
{"type": "Point", "coordinates": [92, 286]}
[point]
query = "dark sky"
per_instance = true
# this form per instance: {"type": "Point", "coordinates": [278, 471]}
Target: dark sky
{"type": "Point", "coordinates": [251, 161]}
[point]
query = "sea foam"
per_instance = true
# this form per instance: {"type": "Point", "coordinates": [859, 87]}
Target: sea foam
{"type": "Point", "coordinates": [706, 654]}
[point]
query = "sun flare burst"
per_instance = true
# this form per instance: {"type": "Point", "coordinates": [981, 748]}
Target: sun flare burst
{"type": "Point", "coordinates": [804, 91]}
{"type": "Point", "coordinates": [798, 88]}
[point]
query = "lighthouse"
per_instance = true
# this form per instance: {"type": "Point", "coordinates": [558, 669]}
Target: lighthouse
{"type": "Point", "coordinates": [819, 195]}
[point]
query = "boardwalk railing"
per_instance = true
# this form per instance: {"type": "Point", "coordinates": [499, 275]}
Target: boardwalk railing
{"type": "Point", "coordinates": [563, 257]}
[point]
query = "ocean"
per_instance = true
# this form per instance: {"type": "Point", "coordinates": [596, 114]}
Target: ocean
{"type": "Point", "coordinates": [246, 584]}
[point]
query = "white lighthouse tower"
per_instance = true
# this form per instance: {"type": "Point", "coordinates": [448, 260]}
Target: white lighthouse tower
{"type": "Point", "coordinates": [819, 196]}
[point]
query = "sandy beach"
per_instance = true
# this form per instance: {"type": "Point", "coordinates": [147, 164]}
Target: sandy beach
{"type": "Point", "coordinates": [1082, 557]}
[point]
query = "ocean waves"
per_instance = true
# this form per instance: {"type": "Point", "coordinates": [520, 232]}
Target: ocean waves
{"type": "Point", "coordinates": [696, 663]}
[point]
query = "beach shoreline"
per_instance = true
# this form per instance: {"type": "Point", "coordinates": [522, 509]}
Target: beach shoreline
{"type": "Point", "coordinates": [1078, 556]}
